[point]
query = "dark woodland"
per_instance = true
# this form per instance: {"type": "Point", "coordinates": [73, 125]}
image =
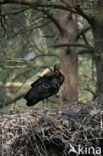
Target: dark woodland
{"type": "Point", "coordinates": [51, 77]}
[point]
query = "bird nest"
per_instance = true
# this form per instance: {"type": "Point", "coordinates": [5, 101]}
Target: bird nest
{"type": "Point", "coordinates": [53, 133]}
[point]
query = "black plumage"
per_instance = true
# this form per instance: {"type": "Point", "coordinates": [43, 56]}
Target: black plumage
{"type": "Point", "coordinates": [45, 86]}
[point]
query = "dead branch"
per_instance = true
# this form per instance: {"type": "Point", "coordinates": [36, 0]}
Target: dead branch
{"type": "Point", "coordinates": [13, 84]}
{"type": "Point", "coordinates": [13, 100]}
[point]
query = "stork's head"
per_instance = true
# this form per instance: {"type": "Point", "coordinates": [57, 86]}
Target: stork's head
{"type": "Point", "coordinates": [58, 68]}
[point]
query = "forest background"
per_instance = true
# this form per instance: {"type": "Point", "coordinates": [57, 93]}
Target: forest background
{"type": "Point", "coordinates": [35, 35]}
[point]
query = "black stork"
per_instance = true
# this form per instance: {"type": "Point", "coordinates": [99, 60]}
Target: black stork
{"type": "Point", "coordinates": [45, 86]}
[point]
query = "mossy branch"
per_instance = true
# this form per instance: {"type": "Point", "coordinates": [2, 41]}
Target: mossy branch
{"type": "Point", "coordinates": [73, 44]}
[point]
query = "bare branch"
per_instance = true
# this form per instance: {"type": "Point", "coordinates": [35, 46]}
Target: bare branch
{"type": "Point", "coordinates": [16, 12]}
{"type": "Point", "coordinates": [85, 39]}
{"type": "Point", "coordinates": [82, 31]}
{"type": "Point", "coordinates": [91, 91]}
{"type": "Point", "coordinates": [11, 84]}
{"type": "Point", "coordinates": [89, 18]}
{"type": "Point", "coordinates": [35, 3]}
{"type": "Point", "coordinates": [85, 51]}
{"type": "Point", "coordinates": [73, 44]}
{"type": "Point", "coordinates": [13, 100]}
{"type": "Point", "coordinates": [55, 21]}
{"type": "Point", "coordinates": [38, 3]}
{"type": "Point", "coordinates": [55, 5]}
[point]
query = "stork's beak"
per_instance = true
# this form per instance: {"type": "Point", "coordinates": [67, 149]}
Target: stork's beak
{"type": "Point", "coordinates": [62, 73]}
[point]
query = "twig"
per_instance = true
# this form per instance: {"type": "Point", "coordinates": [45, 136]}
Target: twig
{"type": "Point", "coordinates": [80, 101]}
{"type": "Point", "coordinates": [91, 91]}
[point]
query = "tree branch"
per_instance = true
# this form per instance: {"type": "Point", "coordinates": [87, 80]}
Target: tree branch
{"type": "Point", "coordinates": [82, 31]}
{"type": "Point", "coordinates": [11, 84]}
{"type": "Point", "coordinates": [56, 5]}
{"type": "Point", "coordinates": [13, 100]}
{"type": "Point", "coordinates": [89, 18]}
{"type": "Point", "coordinates": [85, 39]}
{"type": "Point", "coordinates": [55, 21]}
{"type": "Point", "coordinates": [91, 91]}
{"type": "Point", "coordinates": [16, 12]}
{"type": "Point", "coordinates": [73, 44]}
{"type": "Point", "coordinates": [85, 51]}
{"type": "Point", "coordinates": [35, 3]}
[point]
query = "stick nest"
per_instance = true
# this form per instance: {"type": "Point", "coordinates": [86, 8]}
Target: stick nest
{"type": "Point", "coordinates": [51, 132]}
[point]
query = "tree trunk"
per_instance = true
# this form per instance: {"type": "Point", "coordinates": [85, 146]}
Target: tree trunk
{"type": "Point", "coordinates": [68, 57]}
{"type": "Point", "coordinates": [98, 43]}
{"type": "Point", "coordinates": [98, 38]}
